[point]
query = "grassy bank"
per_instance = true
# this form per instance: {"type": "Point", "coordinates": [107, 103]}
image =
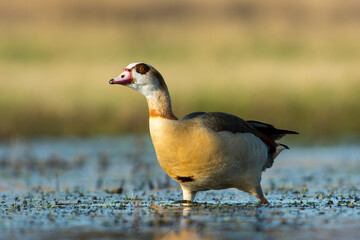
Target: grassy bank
{"type": "Point", "coordinates": [298, 71]}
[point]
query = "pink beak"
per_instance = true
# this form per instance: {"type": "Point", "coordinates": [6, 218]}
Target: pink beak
{"type": "Point", "coordinates": [124, 78]}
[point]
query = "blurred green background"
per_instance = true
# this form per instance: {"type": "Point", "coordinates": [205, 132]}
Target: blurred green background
{"type": "Point", "coordinates": [295, 64]}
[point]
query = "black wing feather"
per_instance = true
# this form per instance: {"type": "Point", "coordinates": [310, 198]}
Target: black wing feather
{"type": "Point", "coordinates": [193, 115]}
{"type": "Point", "coordinates": [219, 121]}
{"type": "Point", "coordinates": [270, 130]}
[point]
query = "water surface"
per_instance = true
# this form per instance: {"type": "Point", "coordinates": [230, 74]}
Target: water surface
{"type": "Point", "coordinates": [114, 188]}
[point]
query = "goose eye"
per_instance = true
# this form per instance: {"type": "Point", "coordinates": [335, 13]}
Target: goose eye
{"type": "Point", "coordinates": [142, 68]}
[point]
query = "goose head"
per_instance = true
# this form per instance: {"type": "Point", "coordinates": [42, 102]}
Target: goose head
{"type": "Point", "coordinates": [142, 77]}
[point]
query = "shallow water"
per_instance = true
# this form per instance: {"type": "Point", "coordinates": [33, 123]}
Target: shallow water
{"type": "Point", "coordinates": [114, 188]}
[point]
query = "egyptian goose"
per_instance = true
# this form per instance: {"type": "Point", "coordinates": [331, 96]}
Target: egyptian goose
{"type": "Point", "coordinates": [204, 151]}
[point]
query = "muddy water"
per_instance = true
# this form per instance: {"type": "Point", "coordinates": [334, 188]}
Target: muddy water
{"type": "Point", "coordinates": [110, 188]}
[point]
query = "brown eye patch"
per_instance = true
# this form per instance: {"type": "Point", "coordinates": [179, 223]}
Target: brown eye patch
{"type": "Point", "coordinates": [142, 68]}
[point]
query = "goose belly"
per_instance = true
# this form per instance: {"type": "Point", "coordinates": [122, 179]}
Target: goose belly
{"type": "Point", "coordinates": [202, 159]}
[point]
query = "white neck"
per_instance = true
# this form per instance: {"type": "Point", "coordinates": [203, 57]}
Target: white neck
{"type": "Point", "coordinates": [160, 104]}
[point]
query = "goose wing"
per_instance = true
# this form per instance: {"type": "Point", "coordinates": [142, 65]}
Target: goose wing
{"type": "Point", "coordinates": [218, 121]}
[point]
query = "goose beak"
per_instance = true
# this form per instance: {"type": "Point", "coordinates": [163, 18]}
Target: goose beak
{"type": "Point", "coordinates": [125, 78]}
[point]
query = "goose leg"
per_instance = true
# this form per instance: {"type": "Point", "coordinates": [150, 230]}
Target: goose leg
{"type": "Point", "coordinates": [188, 195]}
{"type": "Point", "coordinates": [258, 193]}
